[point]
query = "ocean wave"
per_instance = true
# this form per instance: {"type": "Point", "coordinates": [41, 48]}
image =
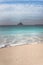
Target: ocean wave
{"type": "Point", "coordinates": [19, 39]}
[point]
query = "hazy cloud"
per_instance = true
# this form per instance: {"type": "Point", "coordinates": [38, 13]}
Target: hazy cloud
{"type": "Point", "coordinates": [18, 12]}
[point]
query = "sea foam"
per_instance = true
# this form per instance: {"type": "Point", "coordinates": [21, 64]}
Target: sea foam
{"type": "Point", "coordinates": [19, 39]}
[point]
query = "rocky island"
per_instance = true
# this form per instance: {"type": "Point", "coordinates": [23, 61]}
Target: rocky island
{"type": "Point", "coordinates": [20, 24]}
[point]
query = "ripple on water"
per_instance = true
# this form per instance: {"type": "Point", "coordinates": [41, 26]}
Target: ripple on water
{"type": "Point", "coordinates": [13, 40]}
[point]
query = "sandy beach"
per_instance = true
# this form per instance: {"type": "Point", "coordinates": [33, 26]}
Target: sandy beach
{"type": "Point", "coordinates": [22, 55]}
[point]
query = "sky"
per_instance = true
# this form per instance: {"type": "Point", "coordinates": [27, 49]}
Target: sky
{"type": "Point", "coordinates": [26, 11]}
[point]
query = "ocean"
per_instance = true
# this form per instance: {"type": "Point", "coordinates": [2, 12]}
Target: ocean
{"type": "Point", "coordinates": [19, 35]}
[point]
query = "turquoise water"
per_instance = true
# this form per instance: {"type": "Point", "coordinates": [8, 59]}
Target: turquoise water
{"type": "Point", "coordinates": [18, 35]}
{"type": "Point", "coordinates": [21, 29]}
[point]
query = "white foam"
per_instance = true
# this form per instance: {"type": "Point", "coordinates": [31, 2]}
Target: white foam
{"type": "Point", "coordinates": [20, 39]}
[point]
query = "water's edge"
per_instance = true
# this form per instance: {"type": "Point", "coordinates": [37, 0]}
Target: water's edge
{"type": "Point", "coordinates": [20, 39]}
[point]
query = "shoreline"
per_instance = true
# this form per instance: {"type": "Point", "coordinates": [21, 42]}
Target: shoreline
{"type": "Point", "coordinates": [14, 45]}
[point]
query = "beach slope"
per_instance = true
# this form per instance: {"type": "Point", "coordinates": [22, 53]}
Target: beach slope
{"type": "Point", "coordinates": [22, 55]}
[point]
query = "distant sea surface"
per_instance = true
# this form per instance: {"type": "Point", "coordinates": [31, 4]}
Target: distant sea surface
{"type": "Point", "coordinates": [18, 35]}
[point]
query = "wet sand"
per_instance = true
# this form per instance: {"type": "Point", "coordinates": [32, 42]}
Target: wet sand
{"type": "Point", "coordinates": [22, 55]}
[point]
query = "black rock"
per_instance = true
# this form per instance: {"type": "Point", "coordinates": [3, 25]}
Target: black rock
{"type": "Point", "coordinates": [20, 24]}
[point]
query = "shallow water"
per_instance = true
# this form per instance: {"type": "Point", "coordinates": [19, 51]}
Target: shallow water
{"type": "Point", "coordinates": [18, 35]}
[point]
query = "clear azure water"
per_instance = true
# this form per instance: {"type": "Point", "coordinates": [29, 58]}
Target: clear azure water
{"type": "Point", "coordinates": [18, 35]}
